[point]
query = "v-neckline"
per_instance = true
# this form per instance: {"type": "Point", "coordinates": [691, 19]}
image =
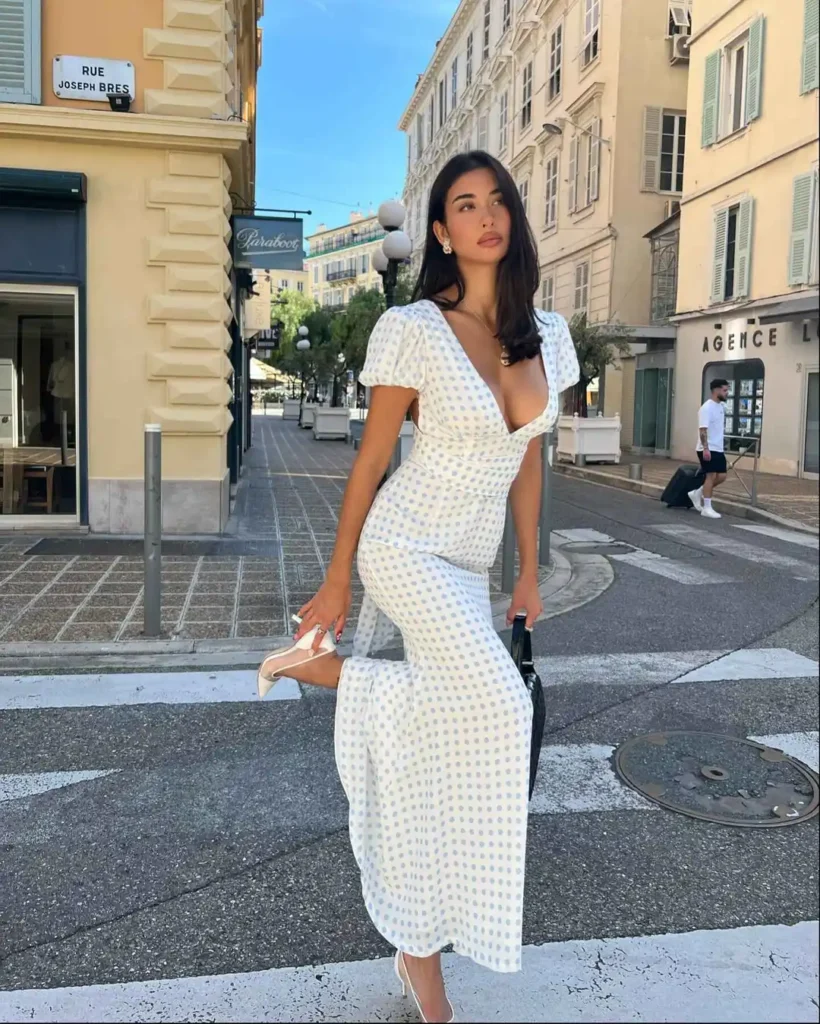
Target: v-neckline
{"type": "Point", "coordinates": [490, 392]}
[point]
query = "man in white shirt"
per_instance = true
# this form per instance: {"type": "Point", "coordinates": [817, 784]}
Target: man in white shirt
{"type": "Point", "coordinates": [711, 453]}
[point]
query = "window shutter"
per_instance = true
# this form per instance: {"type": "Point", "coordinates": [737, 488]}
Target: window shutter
{"type": "Point", "coordinates": [810, 61]}
{"type": "Point", "coordinates": [595, 160]}
{"type": "Point", "coordinates": [754, 69]}
{"type": "Point", "coordinates": [743, 251]}
{"type": "Point", "coordinates": [19, 51]}
{"type": "Point", "coordinates": [711, 92]}
{"type": "Point", "coordinates": [573, 173]}
{"type": "Point", "coordinates": [719, 257]}
{"type": "Point", "coordinates": [651, 157]}
{"type": "Point", "coordinates": [800, 239]}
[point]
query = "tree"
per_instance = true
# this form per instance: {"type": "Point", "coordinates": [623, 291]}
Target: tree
{"type": "Point", "coordinates": [597, 346]}
{"type": "Point", "coordinates": [405, 284]}
{"type": "Point", "coordinates": [352, 328]}
{"type": "Point", "coordinates": [291, 308]}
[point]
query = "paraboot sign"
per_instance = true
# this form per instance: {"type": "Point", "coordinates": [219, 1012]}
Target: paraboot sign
{"type": "Point", "coordinates": [268, 243]}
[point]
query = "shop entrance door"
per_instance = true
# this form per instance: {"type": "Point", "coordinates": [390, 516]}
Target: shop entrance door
{"type": "Point", "coordinates": [653, 410]}
{"type": "Point", "coordinates": [811, 438]}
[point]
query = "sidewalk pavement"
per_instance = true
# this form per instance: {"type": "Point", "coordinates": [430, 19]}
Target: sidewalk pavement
{"type": "Point", "coordinates": [785, 499]}
{"type": "Point", "coordinates": [245, 585]}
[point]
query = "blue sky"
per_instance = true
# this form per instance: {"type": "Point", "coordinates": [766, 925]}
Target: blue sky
{"type": "Point", "coordinates": [336, 76]}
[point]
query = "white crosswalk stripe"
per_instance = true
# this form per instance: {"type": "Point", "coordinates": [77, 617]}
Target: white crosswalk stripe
{"type": "Point", "coordinates": [724, 545]}
{"type": "Point", "coordinates": [15, 787]}
{"type": "Point", "coordinates": [804, 540]}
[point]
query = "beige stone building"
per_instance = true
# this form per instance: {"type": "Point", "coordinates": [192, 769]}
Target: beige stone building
{"type": "Point", "coordinates": [126, 142]}
{"type": "Point", "coordinates": [747, 294]}
{"type": "Point", "coordinates": [286, 281]}
{"type": "Point", "coordinates": [585, 102]}
{"type": "Point", "coordinates": [340, 260]}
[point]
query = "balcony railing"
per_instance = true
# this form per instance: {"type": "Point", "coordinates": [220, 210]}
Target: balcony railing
{"type": "Point", "coordinates": [346, 241]}
{"type": "Point", "coordinates": [334, 307]}
{"type": "Point", "coordinates": [342, 275]}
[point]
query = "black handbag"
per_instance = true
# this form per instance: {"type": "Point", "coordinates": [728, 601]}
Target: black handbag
{"type": "Point", "coordinates": [521, 651]}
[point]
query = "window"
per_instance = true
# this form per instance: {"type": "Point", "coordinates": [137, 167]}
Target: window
{"type": "Point", "coordinates": [803, 241]}
{"type": "Point", "coordinates": [506, 16]}
{"type": "Point", "coordinates": [556, 59]}
{"type": "Point", "coordinates": [551, 170]}
{"type": "Point", "coordinates": [526, 97]}
{"type": "Point", "coordinates": [581, 298]}
{"type": "Point", "coordinates": [300, 286]}
{"type": "Point", "coordinates": [732, 85]}
{"type": "Point", "coordinates": [20, 53]}
{"type": "Point", "coordinates": [673, 143]}
{"type": "Point", "coordinates": [810, 57]}
{"type": "Point", "coordinates": [592, 145]}
{"type": "Point", "coordinates": [524, 192]}
{"type": "Point", "coordinates": [442, 103]}
{"type": "Point", "coordinates": [315, 273]}
{"type": "Point", "coordinates": [365, 264]}
{"type": "Point", "coordinates": [592, 28]}
{"type": "Point", "coordinates": [680, 18]}
{"type": "Point", "coordinates": [585, 166]}
{"type": "Point", "coordinates": [503, 119]}
{"type": "Point", "coordinates": [732, 251]}
{"type": "Point", "coordinates": [485, 46]}
{"type": "Point", "coordinates": [468, 67]}
{"type": "Point", "coordinates": [454, 84]}
{"type": "Point", "coordinates": [284, 284]}
{"type": "Point", "coordinates": [483, 130]}
{"type": "Point", "coordinates": [548, 294]}
{"type": "Point", "coordinates": [431, 120]}
{"type": "Point", "coordinates": [664, 275]}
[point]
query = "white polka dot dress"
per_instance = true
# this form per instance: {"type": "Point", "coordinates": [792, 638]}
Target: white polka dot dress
{"type": "Point", "coordinates": [433, 751]}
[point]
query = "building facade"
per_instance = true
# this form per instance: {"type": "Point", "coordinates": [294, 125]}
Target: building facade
{"type": "Point", "coordinates": [340, 260]}
{"type": "Point", "coordinates": [120, 168]}
{"type": "Point", "coordinates": [747, 301]}
{"type": "Point", "coordinates": [585, 103]}
{"type": "Point", "coordinates": [287, 281]}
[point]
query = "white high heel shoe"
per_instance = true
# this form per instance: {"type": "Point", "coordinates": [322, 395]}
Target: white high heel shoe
{"type": "Point", "coordinates": [407, 987]}
{"type": "Point", "coordinates": [278, 663]}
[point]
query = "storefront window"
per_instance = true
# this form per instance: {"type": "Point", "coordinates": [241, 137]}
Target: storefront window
{"type": "Point", "coordinates": [744, 407]}
{"type": "Point", "coordinates": [38, 403]}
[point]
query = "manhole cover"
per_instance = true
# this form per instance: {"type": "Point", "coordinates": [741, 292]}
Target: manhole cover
{"type": "Point", "coordinates": [719, 778]}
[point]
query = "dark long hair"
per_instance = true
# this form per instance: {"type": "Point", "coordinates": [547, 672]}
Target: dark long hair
{"type": "Point", "coordinates": [518, 275]}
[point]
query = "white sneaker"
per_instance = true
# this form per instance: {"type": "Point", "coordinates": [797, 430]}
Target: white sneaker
{"type": "Point", "coordinates": [709, 513]}
{"type": "Point", "coordinates": [696, 497]}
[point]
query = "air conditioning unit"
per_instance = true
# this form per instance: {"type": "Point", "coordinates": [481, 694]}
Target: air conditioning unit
{"type": "Point", "coordinates": [670, 207]}
{"type": "Point", "coordinates": [679, 50]}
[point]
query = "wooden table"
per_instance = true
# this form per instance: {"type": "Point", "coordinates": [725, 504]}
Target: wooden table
{"type": "Point", "coordinates": [15, 464]}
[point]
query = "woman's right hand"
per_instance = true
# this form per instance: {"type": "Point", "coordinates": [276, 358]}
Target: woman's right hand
{"type": "Point", "coordinates": [328, 609]}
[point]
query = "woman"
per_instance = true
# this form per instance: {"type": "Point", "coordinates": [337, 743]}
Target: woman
{"type": "Point", "coordinates": [433, 751]}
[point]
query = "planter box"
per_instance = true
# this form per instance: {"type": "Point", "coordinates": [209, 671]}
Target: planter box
{"type": "Point", "coordinates": [290, 409]}
{"type": "Point", "coordinates": [308, 410]}
{"type": "Point", "coordinates": [593, 439]}
{"type": "Point", "coordinates": [331, 424]}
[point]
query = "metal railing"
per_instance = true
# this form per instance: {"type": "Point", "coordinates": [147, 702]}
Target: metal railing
{"type": "Point", "coordinates": [751, 449]}
{"type": "Point", "coordinates": [342, 275]}
{"type": "Point", "coordinates": [322, 249]}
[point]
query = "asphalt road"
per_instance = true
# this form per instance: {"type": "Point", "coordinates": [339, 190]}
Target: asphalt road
{"type": "Point", "coordinates": [215, 847]}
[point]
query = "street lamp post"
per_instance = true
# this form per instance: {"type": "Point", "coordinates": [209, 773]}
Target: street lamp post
{"type": "Point", "coordinates": [302, 345]}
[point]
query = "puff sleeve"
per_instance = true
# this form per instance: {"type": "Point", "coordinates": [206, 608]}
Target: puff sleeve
{"type": "Point", "coordinates": [395, 351]}
{"type": "Point", "coordinates": [555, 331]}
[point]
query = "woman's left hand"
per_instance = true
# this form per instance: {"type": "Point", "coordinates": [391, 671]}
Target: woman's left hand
{"type": "Point", "coordinates": [525, 598]}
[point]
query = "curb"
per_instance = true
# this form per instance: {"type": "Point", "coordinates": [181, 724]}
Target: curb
{"type": "Point", "coordinates": [650, 490]}
{"type": "Point", "coordinates": [575, 580]}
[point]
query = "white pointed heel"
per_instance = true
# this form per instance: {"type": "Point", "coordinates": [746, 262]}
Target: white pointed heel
{"type": "Point", "coordinates": [278, 663]}
{"type": "Point", "coordinates": [407, 988]}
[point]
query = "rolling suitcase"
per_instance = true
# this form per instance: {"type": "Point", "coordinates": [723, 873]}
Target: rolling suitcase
{"type": "Point", "coordinates": [685, 479]}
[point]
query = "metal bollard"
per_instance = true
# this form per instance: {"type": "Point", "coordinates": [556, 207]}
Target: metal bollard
{"type": "Point", "coordinates": [545, 517]}
{"type": "Point", "coordinates": [635, 471]}
{"type": "Point", "coordinates": [153, 531]}
{"type": "Point", "coordinates": [580, 459]}
{"type": "Point", "coordinates": [508, 553]}
{"type": "Point", "coordinates": [754, 473]}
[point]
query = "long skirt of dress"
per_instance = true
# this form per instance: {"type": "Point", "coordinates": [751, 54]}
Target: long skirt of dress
{"type": "Point", "coordinates": [433, 754]}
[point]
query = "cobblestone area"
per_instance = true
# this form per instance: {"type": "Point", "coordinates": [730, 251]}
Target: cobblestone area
{"type": "Point", "coordinates": [287, 507]}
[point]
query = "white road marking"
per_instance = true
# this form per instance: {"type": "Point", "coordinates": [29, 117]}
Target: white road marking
{"type": "Point", "coordinates": [805, 540]}
{"type": "Point", "coordinates": [724, 545]}
{"type": "Point", "coordinates": [671, 569]}
{"type": "Point", "coordinates": [585, 536]}
{"type": "Point", "coordinates": [643, 669]}
{"type": "Point", "coordinates": [14, 787]}
{"type": "Point", "coordinates": [761, 973]}
{"type": "Point", "coordinates": [754, 663]}
{"type": "Point", "coordinates": [111, 690]}
{"type": "Point", "coordinates": [579, 777]}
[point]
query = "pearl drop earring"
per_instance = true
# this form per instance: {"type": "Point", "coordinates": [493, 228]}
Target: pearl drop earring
{"type": "Point", "coordinates": [448, 249]}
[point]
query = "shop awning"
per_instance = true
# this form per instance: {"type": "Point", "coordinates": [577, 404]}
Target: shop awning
{"type": "Point", "coordinates": [797, 307]}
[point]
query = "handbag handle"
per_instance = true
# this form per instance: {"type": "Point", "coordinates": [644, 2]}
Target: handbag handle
{"type": "Point", "coordinates": [521, 645]}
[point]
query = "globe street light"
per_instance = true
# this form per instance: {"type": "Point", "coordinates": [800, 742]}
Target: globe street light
{"type": "Point", "coordinates": [396, 247]}
{"type": "Point", "coordinates": [302, 345]}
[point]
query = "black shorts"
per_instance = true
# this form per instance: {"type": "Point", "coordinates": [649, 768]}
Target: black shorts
{"type": "Point", "coordinates": [717, 464]}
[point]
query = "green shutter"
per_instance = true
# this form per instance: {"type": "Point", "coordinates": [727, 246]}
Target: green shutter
{"type": "Point", "coordinates": [743, 248]}
{"type": "Point", "coordinates": [719, 256]}
{"type": "Point", "coordinates": [711, 92]}
{"type": "Point", "coordinates": [754, 69]}
{"type": "Point", "coordinates": [19, 51]}
{"type": "Point", "coordinates": [651, 156]}
{"type": "Point", "coordinates": [800, 238]}
{"type": "Point", "coordinates": [810, 61]}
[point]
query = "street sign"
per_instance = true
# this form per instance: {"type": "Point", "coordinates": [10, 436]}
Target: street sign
{"type": "Point", "coordinates": [268, 243]}
{"type": "Point", "coordinates": [92, 78]}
